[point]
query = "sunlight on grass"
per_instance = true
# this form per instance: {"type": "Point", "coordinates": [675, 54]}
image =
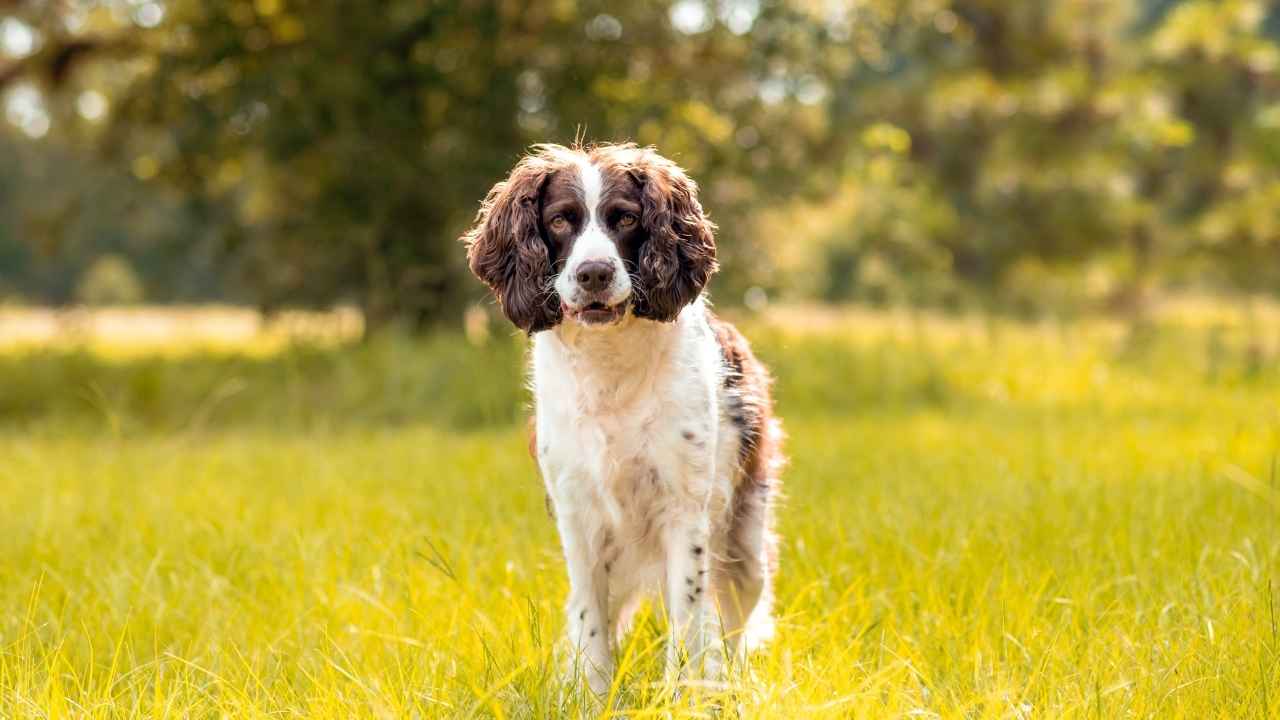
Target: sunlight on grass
{"type": "Point", "coordinates": [173, 331]}
{"type": "Point", "coordinates": [986, 521]}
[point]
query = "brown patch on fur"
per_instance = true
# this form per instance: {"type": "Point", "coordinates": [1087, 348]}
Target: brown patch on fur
{"type": "Point", "coordinates": [750, 404]}
{"type": "Point", "coordinates": [750, 409]}
{"type": "Point", "coordinates": [670, 253]}
{"type": "Point", "coordinates": [505, 247]}
{"type": "Point", "coordinates": [679, 255]}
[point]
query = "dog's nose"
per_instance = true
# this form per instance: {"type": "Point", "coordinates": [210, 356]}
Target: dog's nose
{"type": "Point", "coordinates": [595, 275]}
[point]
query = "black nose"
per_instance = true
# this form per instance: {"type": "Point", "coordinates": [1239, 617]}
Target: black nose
{"type": "Point", "coordinates": [595, 275]}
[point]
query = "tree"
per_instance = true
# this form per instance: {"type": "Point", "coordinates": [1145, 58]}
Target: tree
{"type": "Point", "coordinates": [339, 147]}
{"type": "Point", "coordinates": [1003, 144]}
{"type": "Point", "coordinates": [1021, 153]}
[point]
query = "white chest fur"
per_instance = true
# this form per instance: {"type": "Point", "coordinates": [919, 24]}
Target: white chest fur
{"type": "Point", "coordinates": [629, 425]}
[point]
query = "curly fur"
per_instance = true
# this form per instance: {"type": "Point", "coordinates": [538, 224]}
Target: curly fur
{"type": "Point", "coordinates": [505, 248]}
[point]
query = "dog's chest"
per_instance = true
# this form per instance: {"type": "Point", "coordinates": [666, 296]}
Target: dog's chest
{"type": "Point", "coordinates": [632, 451]}
{"type": "Point", "coordinates": [629, 444]}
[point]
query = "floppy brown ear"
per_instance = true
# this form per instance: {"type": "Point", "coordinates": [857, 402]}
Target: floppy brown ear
{"type": "Point", "coordinates": [680, 255]}
{"type": "Point", "coordinates": [505, 248]}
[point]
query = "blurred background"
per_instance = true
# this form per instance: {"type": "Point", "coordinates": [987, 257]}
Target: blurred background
{"type": "Point", "coordinates": [1032, 158]}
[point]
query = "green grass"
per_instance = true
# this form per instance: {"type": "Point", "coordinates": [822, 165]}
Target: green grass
{"type": "Point", "coordinates": [982, 520]}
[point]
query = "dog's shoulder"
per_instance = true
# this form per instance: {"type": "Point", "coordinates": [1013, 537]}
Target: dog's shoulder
{"type": "Point", "coordinates": [748, 400]}
{"type": "Point", "coordinates": [744, 373]}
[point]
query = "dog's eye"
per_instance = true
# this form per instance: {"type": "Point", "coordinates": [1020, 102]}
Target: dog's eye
{"type": "Point", "coordinates": [627, 220]}
{"type": "Point", "coordinates": [559, 223]}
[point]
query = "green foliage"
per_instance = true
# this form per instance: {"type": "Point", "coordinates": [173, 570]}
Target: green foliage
{"type": "Point", "coordinates": [1005, 141]}
{"type": "Point", "coordinates": [63, 210]}
{"type": "Point", "coordinates": [339, 151]}
{"type": "Point", "coordinates": [965, 149]}
{"type": "Point", "coordinates": [110, 280]}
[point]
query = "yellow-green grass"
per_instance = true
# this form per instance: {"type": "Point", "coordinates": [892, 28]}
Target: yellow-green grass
{"type": "Point", "coordinates": [982, 520]}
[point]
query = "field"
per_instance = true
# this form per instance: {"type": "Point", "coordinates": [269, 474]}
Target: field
{"type": "Point", "coordinates": [984, 519]}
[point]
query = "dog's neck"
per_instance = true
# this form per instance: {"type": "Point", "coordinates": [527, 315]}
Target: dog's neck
{"type": "Point", "coordinates": [616, 364]}
{"type": "Point", "coordinates": [625, 345]}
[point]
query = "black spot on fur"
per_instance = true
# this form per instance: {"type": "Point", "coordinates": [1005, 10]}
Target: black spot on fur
{"type": "Point", "coordinates": [697, 590]}
{"type": "Point", "coordinates": [689, 581]}
{"type": "Point", "coordinates": [594, 631]}
{"type": "Point", "coordinates": [743, 408]}
{"type": "Point", "coordinates": [697, 549]}
{"type": "Point", "coordinates": [582, 615]}
{"type": "Point", "coordinates": [688, 435]}
{"type": "Point", "coordinates": [691, 599]}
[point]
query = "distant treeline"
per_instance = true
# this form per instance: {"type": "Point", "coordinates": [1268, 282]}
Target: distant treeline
{"type": "Point", "coordinates": [1015, 155]}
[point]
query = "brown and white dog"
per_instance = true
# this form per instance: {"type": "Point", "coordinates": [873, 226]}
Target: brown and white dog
{"type": "Point", "coordinates": [654, 429]}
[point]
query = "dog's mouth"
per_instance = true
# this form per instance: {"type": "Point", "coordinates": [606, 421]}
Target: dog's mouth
{"type": "Point", "coordinates": [598, 313]}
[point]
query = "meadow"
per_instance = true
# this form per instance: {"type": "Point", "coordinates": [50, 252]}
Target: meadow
{"type": "Point", "coordinates": [984, 518]}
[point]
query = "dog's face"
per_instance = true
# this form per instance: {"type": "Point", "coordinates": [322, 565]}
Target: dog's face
{"type": "Point", "coordinates": [592, 237]}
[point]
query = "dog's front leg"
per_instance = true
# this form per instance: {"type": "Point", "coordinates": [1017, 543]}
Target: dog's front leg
{"type": "Point", "coordinates": [587, 611]}
{"type": "Point", "coordinates": [692, 648]}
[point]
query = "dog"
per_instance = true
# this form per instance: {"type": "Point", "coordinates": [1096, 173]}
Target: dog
{"type": "Point", "coordinates": [654, 430]}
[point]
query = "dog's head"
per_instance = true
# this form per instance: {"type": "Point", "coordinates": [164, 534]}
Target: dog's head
{"type": "Point", "coordinates": [592, 236]}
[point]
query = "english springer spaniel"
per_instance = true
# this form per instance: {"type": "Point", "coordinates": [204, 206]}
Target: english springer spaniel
{"type": "Point", "coordinates": [654, 430]}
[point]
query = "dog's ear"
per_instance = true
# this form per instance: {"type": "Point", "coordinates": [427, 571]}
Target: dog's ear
{"type": "Point", "coordinates": [679, 255]}
{"type": "Point", "coordinates": [505, 248]}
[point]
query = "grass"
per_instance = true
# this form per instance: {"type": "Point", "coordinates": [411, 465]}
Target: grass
{"type": "Point", "coordinates": [984, 520]}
